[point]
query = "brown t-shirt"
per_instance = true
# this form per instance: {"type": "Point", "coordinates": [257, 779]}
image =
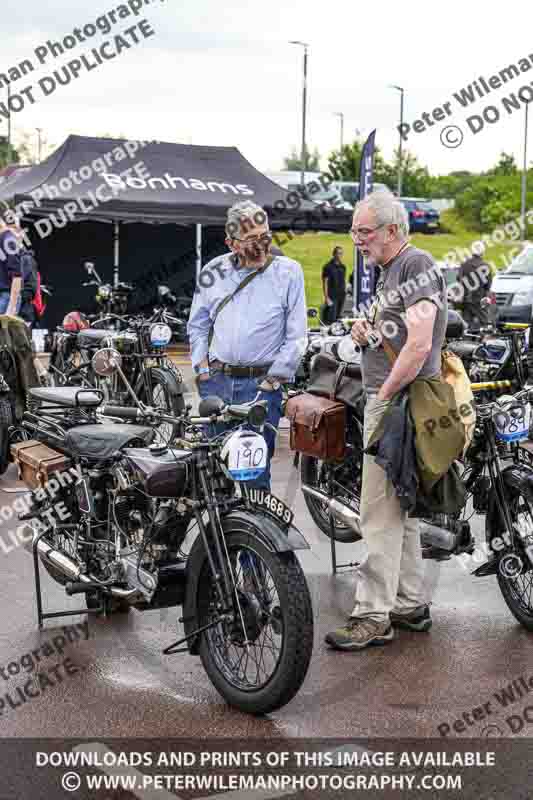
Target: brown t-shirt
{"type": "Point", "coordinates": [410, 277]}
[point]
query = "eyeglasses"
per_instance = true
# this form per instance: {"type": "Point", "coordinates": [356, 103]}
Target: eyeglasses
{"type": "Point", "coordinates": [265, 240]}
{"type": "Point", "coordinates": [364, 233]}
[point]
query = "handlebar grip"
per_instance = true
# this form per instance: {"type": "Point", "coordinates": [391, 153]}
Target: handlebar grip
{"type": "Point", "coordinates": [238, 412]}
{"type": "Point", "coordinates": [125, 412]}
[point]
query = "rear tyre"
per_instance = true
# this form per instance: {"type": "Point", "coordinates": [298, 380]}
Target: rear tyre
{"type": "Point", "coordinates": [275, 607]}
{"type": "Point", "coordinates": [315, 473]}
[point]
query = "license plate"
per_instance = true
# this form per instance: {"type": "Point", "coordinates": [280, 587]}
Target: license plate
{"type": "Point", "coordinates": [268, 502]}
{"type": "Point", "coordinates": [525, 452]}
{"type": "Point", "coordinates": [432, 224]}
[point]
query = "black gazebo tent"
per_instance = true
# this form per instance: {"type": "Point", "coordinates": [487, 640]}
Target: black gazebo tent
{"type": "Point", "coordinates": [91, 180]}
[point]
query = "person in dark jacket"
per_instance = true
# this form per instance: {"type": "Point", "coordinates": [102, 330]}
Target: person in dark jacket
{"type": "Point", "coordinates": [29, 286]}
{"type": "Point", "coordinates": [10, 266]}
{"type": "Point", "coordinates": [334, 285]}
{"type": "Point", "coordinates": [476, 278]}
{"type": "Point", "coordinates": [401, 339]}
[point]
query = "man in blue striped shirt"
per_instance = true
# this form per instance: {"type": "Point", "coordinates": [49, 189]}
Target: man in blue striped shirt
{"type": "Point", "coordinates": [259, 336]}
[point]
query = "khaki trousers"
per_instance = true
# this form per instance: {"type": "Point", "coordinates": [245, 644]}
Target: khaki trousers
{"type": "Point", "coordinates": [392, 576]}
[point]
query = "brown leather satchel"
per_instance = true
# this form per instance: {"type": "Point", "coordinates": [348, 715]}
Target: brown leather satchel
{"type": "Point", "coordinates": [318, 426]}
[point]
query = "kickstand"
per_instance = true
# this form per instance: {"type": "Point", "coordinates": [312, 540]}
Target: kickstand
{"type": "Point", "coordinates": [171, 649]}
{"type": "Point", "coordinates": [50, 614]}
{"type": "Point", "coordinates": [334, 566]}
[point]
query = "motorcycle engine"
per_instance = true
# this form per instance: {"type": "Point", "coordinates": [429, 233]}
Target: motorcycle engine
{"type": "Point", "coordinates": [483, 371]}
{"type": "Point", "coordinates": [153, 528]}
{"type": "Point", "coordinates": [488, 359]}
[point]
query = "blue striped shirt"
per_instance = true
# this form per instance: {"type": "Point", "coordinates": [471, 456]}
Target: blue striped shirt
{"type": "Point", "coordinates": [266, 321]}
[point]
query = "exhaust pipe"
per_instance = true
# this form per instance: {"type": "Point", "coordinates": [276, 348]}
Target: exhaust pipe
{"type": "Point", "coordinates": [348, 516]}
{"type": "Point", "coordinates": [433, 536]}
{"type": "Point", "coordinates": [71, 570]}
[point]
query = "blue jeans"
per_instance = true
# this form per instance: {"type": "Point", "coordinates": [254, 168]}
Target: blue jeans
{"type": "Point", "coordinates": [4, 301]}
{"type": "Point", "coordinates": [242, 390]}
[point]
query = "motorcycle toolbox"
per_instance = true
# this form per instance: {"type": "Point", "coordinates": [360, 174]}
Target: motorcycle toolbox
{"type": "Point", "coordinates": [36, 462]}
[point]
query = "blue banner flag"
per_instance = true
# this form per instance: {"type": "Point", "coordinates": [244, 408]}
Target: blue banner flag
{"type": "Point", "coordinates": [364, 282]}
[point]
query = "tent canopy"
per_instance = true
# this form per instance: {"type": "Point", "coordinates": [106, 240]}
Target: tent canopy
{"type": "Point", "coordinates": [167, 183]}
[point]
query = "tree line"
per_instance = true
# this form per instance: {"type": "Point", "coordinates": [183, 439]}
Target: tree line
{"type": "Point", "coordinates": [484, 200]}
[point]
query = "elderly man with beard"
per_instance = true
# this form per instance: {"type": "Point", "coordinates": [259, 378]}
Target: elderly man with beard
{"type": "Point", "coordinates": [409, 314]}
{"type": "Point", "coordinates": [259, 336]}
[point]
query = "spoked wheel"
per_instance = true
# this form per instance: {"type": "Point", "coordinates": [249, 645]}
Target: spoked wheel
{"type": "Point", "coordinates": [168, 398]}
{"type": "Point", "coordinates": [515, 574]}
{"type": "Point", "coordinates": [347, 489]}
{"type": "Point", "coordinates": [257, 654]}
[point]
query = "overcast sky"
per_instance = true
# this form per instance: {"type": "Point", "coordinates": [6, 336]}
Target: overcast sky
{"type": "Point", "coordinates": [223, 73]}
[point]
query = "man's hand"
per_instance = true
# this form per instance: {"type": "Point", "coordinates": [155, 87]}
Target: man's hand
{"type": "Point", "coordinates": [383, 396]}
{"type": "Point", "coordinates": [204, 376]}
{"type": "Point", "coordinates": [360, 330]}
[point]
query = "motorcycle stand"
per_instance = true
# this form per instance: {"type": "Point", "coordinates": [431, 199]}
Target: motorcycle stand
{"type": "Point", "coordinates": [42, 615]}
{"type": "Point", "coordinates": [334, 566]}
{"type": "Point", "coordinates": [173, 650]}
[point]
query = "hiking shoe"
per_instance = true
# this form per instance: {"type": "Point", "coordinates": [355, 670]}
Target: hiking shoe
{"type": "Point", "coordinates": [360, 633]}
{"type": "Point", "coordinates": [418, 620]}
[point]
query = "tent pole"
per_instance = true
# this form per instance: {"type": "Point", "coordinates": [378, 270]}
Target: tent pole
{"type": "Point", "coordinates": [198, 249]}
{"type": "Point", "coordinates": [116, 242]}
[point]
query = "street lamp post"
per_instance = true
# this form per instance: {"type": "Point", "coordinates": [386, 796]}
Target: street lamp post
{"type": "Point", "coordinates": [304, 111]}
{"type": "Point", "coordinates": [401, 90]}
{"type": "Point", "coordinates": [9, 123]}
{"type": "Point", "coordinates": [39, 131]}
{"type": "Point", "coordinates": [341, 115]}
{"type": "Point", "coordinates": [524, 169]}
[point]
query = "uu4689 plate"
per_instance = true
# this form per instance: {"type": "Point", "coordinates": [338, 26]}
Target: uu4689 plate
{"type": "Point", "coordinates": [268, 502]}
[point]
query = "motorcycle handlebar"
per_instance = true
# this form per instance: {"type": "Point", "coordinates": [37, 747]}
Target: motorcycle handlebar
{"type": "Point", "coordinates": [125, 412]}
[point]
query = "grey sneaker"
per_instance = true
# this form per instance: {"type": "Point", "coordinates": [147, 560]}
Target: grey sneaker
{"type": "Point", "coordinates": [418, 620]}
{"type": "Point", "coordinates": [360, 633]}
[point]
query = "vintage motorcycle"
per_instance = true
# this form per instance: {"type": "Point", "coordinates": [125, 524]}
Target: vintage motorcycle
{"type": "Point", "coordinates": [500, 352]}
{"type": "Point", "coordinates": [176, 311]}
{"type": "Point", "coordinates": [127, 507]}
{"type": "Point", "coordinates": [111, 301]}
{"type": "Point", "coordinates": [497, 471]}
{"type": "Point", "coordinates": [142, 343]}
{"type": "Point", "coordinates": [324, 339]}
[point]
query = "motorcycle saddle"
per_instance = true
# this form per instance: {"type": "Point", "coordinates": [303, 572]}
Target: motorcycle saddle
{"type": "Point", "coordinates": [91, 337]}
{"type": "Point", "coordinates": [68, 396]}
{"type": "Point", "coordinates": [101, 442]}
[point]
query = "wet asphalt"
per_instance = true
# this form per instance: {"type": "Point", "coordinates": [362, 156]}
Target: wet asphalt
{"type": "Point", "coordinates": [119, 684]}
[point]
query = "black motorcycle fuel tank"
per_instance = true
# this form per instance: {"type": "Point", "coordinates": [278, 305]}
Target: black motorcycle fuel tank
{"type": "Point", "coordinates": [162, 474]}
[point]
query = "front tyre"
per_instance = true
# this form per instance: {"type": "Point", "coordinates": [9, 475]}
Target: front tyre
{"type": "Point", "coordinates": [517, 590]}
{"type": "Point", "coordinates": [258, 655]}
{"type": "Point", "coordinates": [167, 396]}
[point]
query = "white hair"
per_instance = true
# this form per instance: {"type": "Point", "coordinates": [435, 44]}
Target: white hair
{"type": "Point", "coordinates": [478, 248]}
{"type": "Point", "coordinates": [388, 210]}
{"type": "Point", "coordinates": [242, 215]}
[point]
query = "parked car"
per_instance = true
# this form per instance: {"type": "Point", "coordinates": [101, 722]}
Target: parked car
{"type": "Point", "coordinates": [423, 218]}
{"type": "Point", "coordinates": [349, 190]}
{"type": "Point", "coordinates": [513, 287]}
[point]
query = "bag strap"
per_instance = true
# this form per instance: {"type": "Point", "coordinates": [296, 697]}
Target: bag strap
{"type": "Point", "coordinates": [337, 379]}
{"type": "Point", "coordinates": [391, 354]}
{"type": "Point", "coordinates": [229, 297]}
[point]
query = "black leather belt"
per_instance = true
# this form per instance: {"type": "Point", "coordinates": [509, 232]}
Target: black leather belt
{"type": "Point", "coordinates": [241, 372]}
